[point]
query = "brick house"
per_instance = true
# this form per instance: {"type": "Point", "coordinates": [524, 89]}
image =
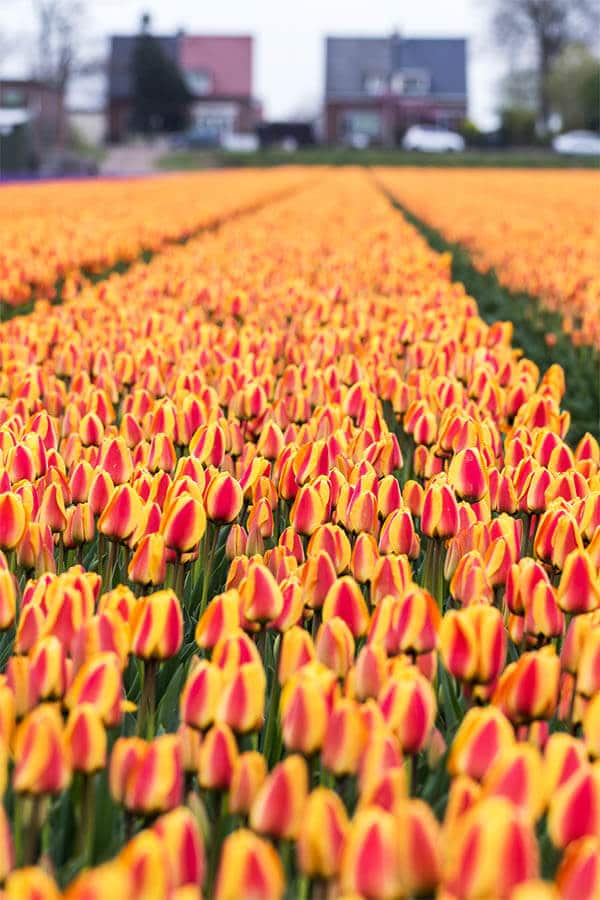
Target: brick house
{"type": "Point", "coordinates": [218, 73]}
{"type": "Point", "coordinates": [45, 107]}
{"type": "Point", "coordinates": [378, 87]}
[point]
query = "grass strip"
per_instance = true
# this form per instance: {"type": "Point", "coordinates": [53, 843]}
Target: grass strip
{"type": "Point", "coordinates": [537, 330]}
{"type": "Point", "coordinates": [190, 160]}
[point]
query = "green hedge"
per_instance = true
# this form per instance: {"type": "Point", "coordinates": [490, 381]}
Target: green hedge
{"type": "Point", "coordinates": [342, 156]}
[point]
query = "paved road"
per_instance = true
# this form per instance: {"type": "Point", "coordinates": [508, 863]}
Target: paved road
{"type": "Point", "coordinates": [133, 159]}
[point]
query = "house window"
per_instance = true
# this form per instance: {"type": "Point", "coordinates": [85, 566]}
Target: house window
{"type": "Point", "coordinates": [411, 82]}
{"type": "Point", "coordinates": [216, 117]}
{"type": "Point", "coordinates": [374, 84]}
{"type": "Point", "coordinates": [199, 82]}
{"type": "Point", "coordinates": [13, 97]}
{"type": "Point", "coordinates": [362, 122]}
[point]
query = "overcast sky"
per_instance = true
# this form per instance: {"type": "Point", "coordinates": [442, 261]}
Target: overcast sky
{"type": "Point", "coordinates": [289, 61]}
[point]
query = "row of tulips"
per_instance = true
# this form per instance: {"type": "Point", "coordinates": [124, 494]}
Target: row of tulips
{"type": "Point", "coordinates": [299, 583]}
{"type": "Point", "coordinates": [65, 232]}
{"type": "Point", "coordinates": [539, 231]}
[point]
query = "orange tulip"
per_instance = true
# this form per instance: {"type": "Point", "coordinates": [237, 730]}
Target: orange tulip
{"type": "Point", "coordinates": [528, 688]}
{"type": "Point", "coordinates": [574, 808]}
{"type": "Point", "coordinates": [483, 736]}
{"type": "Point", "coordinates": [182, 844]}
{"type": "Point", "coordinates": [155, 780]}
{"type": "Point", "coordinates": [334, 542]}
{"type": "Point", "coordinates": [220, 618]}
{"type": "Point", "coordinates": [115, 460]}
{"type": "Point", "coordinates": [125, 755]}
{"type": "Point", "coordinates": [113, 879]}
{"type": "Point", "coordinates": [467, 475]}
{"type": "Point", "coordinates": [579, 588]}
{"type": "Point", "coordinates": [86, 739]}
{"type": "Point", "coordinates": [146, 862]}
{"type": "Point", "coordinates": [408, 704]}
{"type": "Point", "coordinates": [13, 521]}
{"type": "Point", "coordinates": [303, 713]}
{"type": "Point", "coordinates": [218, 757]}
{"type": "Point", "coordinates": [122, 514]}
{"type": "Point", "coordinates": [439, 518]}
{"type": "Point", "coordinates": [262, 599]}
{"type": "Point", "coordinates": [370, 671]}
{"type": "Point", "coordinates": [370, 864]}
{"type": "Point", "coordinates": [578, 875]}
{"type": "Point", "coordinates": [249, 773]}
{"type": "Point", "coordinates": [183, 524]}
{"type": "Point", "coordinates": [279, 805]}
{"type": "Point", "coordinates": [8, 599]}
{"type": "Point", "coordinates": [297, 649]}
{"type": "Point", "coordinates": [345, 737]}
{"type": "Point", "coordinates": [233, 651]}
{"type": "Point", "coordinates": [364, 557]}
{"type": "Point", "coordinates": [563, 756]}
{"type": "Point", "coordinates": [31, 883]}
{"type": "Point", "coordinates": [473, 643]}
{"type": "Point", "coordinates": [322, 833]}
{"type": "Point", "coordinates": [80, 526]}
{"type": "Point", "coordinates": [48, 669]}
{"type": "Point", "coordinates": [334, 646]}
{"type": "Point", "coordinates": [249, 867]}
{"type": "Point", "coordinates": [157, 626]}
{"type": "Point", "coordinates": [317, 575]}
{"type": "Point", "coordinates": [308, 510]}
{"type": "Point", "coordinates": [345, 601]}
{"type": "Point", "coordinates": [223, 498]}
{"type": "Point", "coordinates": [415, 623]}
{"type": "Point", "coordinates": [242, 701]}
{"type": "Point", "coordinates": [491, 850]}
{"type": "Point", "coordinates": [518, 775]}
{"type": "Point", "coordinates": [42, 760]}
{"type": "Point", "coordinates": [99, 681]}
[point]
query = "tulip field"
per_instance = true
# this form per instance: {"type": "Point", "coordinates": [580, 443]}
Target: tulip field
{"type": "Point", "coordinates": [59, 234]}
{"type": "Point", "coordinates": [540, 231]}
{"type": "Point", "coordinates": [299, 566]}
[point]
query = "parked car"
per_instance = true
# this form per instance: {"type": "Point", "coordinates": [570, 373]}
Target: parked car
{"type": "Point", "coordinates": [579, 143]}
{"type": "Point", "coordinates": [432, 139]}
{"type": "Point", "coordinates": [240, 143]}
{"type": "Point", "coordinates": [197, 139]}
{"type": "Point", "coordinates": [274, 134]}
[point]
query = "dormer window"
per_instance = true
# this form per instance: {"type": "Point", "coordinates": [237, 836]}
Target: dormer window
{"type": "Point", "coordinates": [199, 82]}
{"type": "Point", "coordinates": [375, 84]}
{"type": "Point", "coordinates": [411, 82]}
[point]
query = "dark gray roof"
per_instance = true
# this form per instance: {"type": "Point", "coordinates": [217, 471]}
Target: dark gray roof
{"type": "Point", "coordinates": [120, 64]}
{"type": "Point", "coordinates": [444, 59]}
{"type": "Point", "coordinates": [349, 59]}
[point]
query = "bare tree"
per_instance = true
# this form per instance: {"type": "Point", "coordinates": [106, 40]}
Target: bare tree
{"type": "Point", "coordinates": [547, 26]}
{"type": "Point", "coordinates": [60, 24]}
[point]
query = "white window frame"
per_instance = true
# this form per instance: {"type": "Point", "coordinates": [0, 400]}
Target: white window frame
{"type": "Point", "coordinates": [375, 84]}
{"type": "Point", "coordinates": [401, 77]}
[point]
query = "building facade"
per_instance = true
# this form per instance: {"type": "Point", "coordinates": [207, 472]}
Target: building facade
{"type": "Point", "coordinates": [45, 108]}
{"type": "Point", "coordinates": [217, 70]}
{"type": "Point", "coordinates": [375, 88]}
